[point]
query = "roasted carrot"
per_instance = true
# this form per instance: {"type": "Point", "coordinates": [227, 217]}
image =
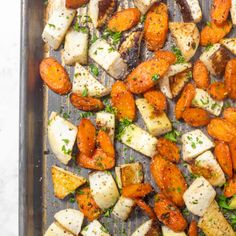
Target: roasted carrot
{"type": "Point", "coordinates": [185, 100]}
{"type": "Point", "coordinates": [86, 137]}
{"type": "Point", "coordinates": [201, 75]}
{"type": "Point", "coordinates": [166, 55]}
{"type": "Point", "coordinates": [74, 4]}
{"type": "Point", "coordinates": [55, 76]}
{"type": "Point", "coordinates": [169, 214]}
{"type": "Point", "coordinates": [86, 103]}
{"type": "Point", "coordinates": [230, 187]}
{"type": "Point", "coordinates": [220, 11]}
{"type": "Point", "coordinates": [232, 147]}
{"type": "Point", "coordinates": [218, 91]}
{"type": "Point", "coordinates": [146, 208]}
{"type": "Point", "coordinates": [124, 20]}
{"type": "Point", "coordinates": [193, 231]}
{"type": "Point", "coordinates": [123, 100]}
{"type": "Point", "coordinates": [87, 205]}
{"type": "Point", "coordinates": [230, 78]}
{"type": "Point", "coordinates": [136, 190]}
{"type": "Point", "coordinates": [230, 114]}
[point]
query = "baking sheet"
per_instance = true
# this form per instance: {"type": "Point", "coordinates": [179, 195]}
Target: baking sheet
{"type": "Point", "coordinates": [37, 202]}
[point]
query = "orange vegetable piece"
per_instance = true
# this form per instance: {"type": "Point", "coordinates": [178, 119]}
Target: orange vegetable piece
{"type": "Point", "coordinates": [193, 231]}
{"type": "Point", "coordinates": [86, 103]}
{"type": "Point", "coordinates": [230, 187]}
{"type": "Point", "coordinates": [124, 20]}
{"type": "Point", "coordinates": [220, 11]}
{"type": "Point", "coordinates": [123, 100]}
{"type": "Point", "coordinates": [87, 205]}
{"type": "Point", "coordinates": [218, 91]}
{"type": "Point", "coordinates": [156, 26]}
{"type": "Point", "coordinates": [230, 114]}
{"type": "Point", "coordinates": [232, 146]}
{"type": "Point", "coordinates": [146, 75]}
{"type": "Point", "coordinates": [213, 33]}
{"type": "Point", "coordinates": [196, 117]}
{"type": "Point", "coordinates": [221, 130]}
{"type": "Point", "coordinates": [86, 137]}
{"type": "Point", "coordinates": [201, 75]}
{"type": "Point", "coordinates": [55, 76]}
{"type": "Point", "coordinates": [136, 190]}
{"type": "Point", "coordinates": [168, 150]}
{"type": "Point", "coordinates": [169, 214]}
{"type": "Point", "coordinates": [230, 78]}
{"type": "Point", "coordinates": [185, 100]}
{"type": "Point", "coordinates": [166, 55]}
{"type": "Point", "coordinates": [223, 156]}
{"type": "Point", "coordinates": [146, 208]}
{"type": "Point", "coordinates": [157, 99]}
{"type": "Point", "coordinates": [74, 4]}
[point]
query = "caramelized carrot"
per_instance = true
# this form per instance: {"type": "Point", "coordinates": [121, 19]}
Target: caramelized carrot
{"type": "Point", "coordinates": [74, 4]}
{"type": "Point", "coordinates": [220, 11]}
{"type": "Point", "coordinates": [146, 208]}
{"type": "Point", "coordinates": [230, 114]}
{"type": "Point", "coordinates": [192, 231]}
{"type": "Point", "coordinates": [218, 91]}
{"type": "Point", "coordinates": [166, 55]}
{"type": "Point", "coordinates": [201, 75]}
{"type": "Point", "coordinates": [232, 147]}
{"type": "Point", "coordinates": [230, 187]}
{"type": "Point", "coordinates": [136, 190]}
{"type": "Point", "coordinates": [230, 78]}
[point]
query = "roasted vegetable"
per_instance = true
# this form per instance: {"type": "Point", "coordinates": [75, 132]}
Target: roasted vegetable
{"type": "Point", "coordinates": [233, 11]}
{"type": "Point", "coordinates": [232, 146]}
{"type": "Point", "coordinates": [55, 229]}
{"type": "Point", "coordinates": [146, 208]}
{"type": "Point", "coordinates": [230, 187]}
{"type": "Point", "coordinates": [144, 5]}
{"type": "Point", "coordinates": [230, 44]}
{"type": "Point", "coordinates": [150, 227]}
{"type": "Point", "coordinates": [217, 91]}
{"type": "Point", "coordinates": [201, 75]}
{"type": "Point", "coordinates": [95, 228]}
{"type": "Point", "coordinates": [230, 115]}
{"type": "Point", "coordinates": [166, 55]}
{"type": "Point", "coordinates": [220, 11]}
{"type": "Point", "coordinates": [136, 190]}
{"type": "Point", "coordinates": [166, 231]}
{"type": "Point", "coordinates": [230, 78]}
{"type": "Point", "coordinates": [193, 230]}
{"type": "Point", "coordinates": [74, 4]}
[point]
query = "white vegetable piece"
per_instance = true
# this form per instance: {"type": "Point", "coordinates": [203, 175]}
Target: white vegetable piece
{"type": "Point", "coordinates": [76, 47]}
{"type": "Point", "coordinates": [168, 232]}
{"type": "Point", "coordinates": [61, 137]}
{"type": "Point", "coordinates": [118, 177]}
{"type": "Point", "coordinates": [70, 219]}
{"type": "Point", "coordinates": [230, 43]}
{"type": "Point", "coordinates": [108, 58]}
{"type": "Point", "coordinates": [103, 189]}
{"type": "Point", "coordinates": [106, 120]}
{"type": "Point", "coordinates": [208, 161]}
{"type": "Point", "coordinates": [140, 140]}
{"type": "Point", "coordinates": [203, 100]}
{"type": "Point", "coordinates": [199, 196]}
{"type": "Point", "coordinates": [143, 229]}
{"type": "Point", "coordinates": [83, 79]}
{"type": "Point", "coordinates": [157, 124]}
{"type": "Point", "coordinates": [57, 26]}
{"type": "Point", "coordinates": [95, 228]}
{"type": "Point", "coordinates": [195, 143]}
{"type": "Point", "coordinates": [187, 37]}
{"type": "Point", "coordinates": [144, 5]}
{"type": "Point", "coordinates": [123, 208]}
{"type": "Point", "coordinates": [195, 9]}
{"type": "Point", "coordinates": [56, 230]}
{"type": "Point", "coordinates": [233, 11]}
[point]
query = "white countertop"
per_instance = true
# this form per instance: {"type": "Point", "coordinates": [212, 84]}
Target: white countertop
{"type": "Point", "coordinates": [9, 115]}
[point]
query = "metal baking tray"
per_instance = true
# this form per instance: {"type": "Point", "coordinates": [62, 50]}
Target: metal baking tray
{"type": "Point", "coordinates": [37, 204]}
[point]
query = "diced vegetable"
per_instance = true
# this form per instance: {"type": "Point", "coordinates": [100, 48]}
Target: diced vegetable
{"type": "Point", "coordinates": [229, 43]}
{"type": "Point", "coordinates": [150, 227]}
{"type": "Point", "coordinates": [230, 78]}
{"type": "Point", "coordinates": [95, 228]}
{"type": "Point", "coordinates": [230, 187]}
{"type": "Point", "coordinates": [56, 230]}
{"type": "Point", "coordinates": [218, 91]}
{"type": "Point", "coordinates": [74, 4]}
{"type": "Point", "coordinates": [220, 11]}
{"type": "Point", "coordinates": [201, 75]}
{"type": "Point", "coordinates": [230, 114]}
{"type": "Point", "coordinates": [144, 5]}
{"type": "Point", "coordinates": [168, 232]}
{"type": "Point", "coordinates": [233, 11]}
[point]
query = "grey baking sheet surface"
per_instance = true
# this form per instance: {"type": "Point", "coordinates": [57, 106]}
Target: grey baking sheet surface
{"type": "Point", "coordinates": [54, 102]}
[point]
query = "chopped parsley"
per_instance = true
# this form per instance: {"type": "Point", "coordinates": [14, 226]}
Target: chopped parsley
{"type": "Point", "coordinates": [108, 212]}
{"type": "Point", "coordinates": [178, 54]}
{"type": "Point", "coordinates": [72, 200]}
{"type": "Point", "coordinates": [85, 92]}
{"type": "Point", "coordinates": [114, 36]}
{"type": "Point", "coordinates": [208, 23]}
{"type": "Point", "coordinates": [143, 18]}
{"type": "Point", "coordinates": [51, 25]}
{"type": "Point", "coordinates": [80, 28]}
{"type": "Point", "coordinates": [66, 141]}
{"type": "Point", "coordinates": [224, 202]}
{"type": "Point", "coordinates": [121, 126]}
{"type": "Point", "coordinates": [155, 77]}
{"type": "Point", "coordinates": [66, 151]}
{"type": "Point", "coordinates": [94, 69]}
{"type": "Point", "coordinates": [86, 114]}
{"type": "Point", "coordinates": [94, 39]}
{"type": "Point", "coordinates": [109, 108]}
{"type": "Point", "coordinates": [208, 47]}
{"type": "Point", "coordinates": [173, 135]}
{"type": "Point", "coordinates": [66, 115]}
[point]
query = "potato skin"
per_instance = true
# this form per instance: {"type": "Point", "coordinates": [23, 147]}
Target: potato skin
{"type": "Point", "coordinates": [230, 114]}
{"type": "Point", "coordinates": [55, 76]}
{"type": "Point", "coordinates": [223, 156]}
{"type": "Point", "coordinates": [213, 33]}
{"type": "Point", "coordinates": [221, 130]}
{"type": "Point", "coordinates": [193, 231]}
{"type": "Point", "coordinates": [166, 55]}
{"type": "Point", "coordinates": [74, 4]}
{"type": "Point", "coordinates": [220, 11]}
{"type": "Point", "coordinates": [230, 78]}
{"type": "Point", "coordinates": [124, 20]}
{"type": "Point", "coordinates": [168, 149]}
{"type": "Point", "coordinates": [196, 117]}
{"type": "Point", "coordinates": [201, 75]}
{"type": "Point", "coordinates": [141, 78]}
{"type": "Point", "coordinates": [136, 190]}
{"type": "Point", "coordinates": [185, 100]}
{"type": "Point", "coordinates": [169, 214]}
{"type": "Point", "coordinates": [86, 103]}
{"type": "Point", "coordinates": [156, 26]}
{"type": "Point", "coordinates": [218, 91]}
{"type": "Point", "coordinates": [230, 187]}
{"type": "Point", "coordinates": [123, 100]}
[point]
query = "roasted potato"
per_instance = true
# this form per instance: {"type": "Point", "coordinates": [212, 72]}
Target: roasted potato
{"type": "Point", "coordinates": [230, 78]}
{"type": "Point", "coordinates": [201, 75]}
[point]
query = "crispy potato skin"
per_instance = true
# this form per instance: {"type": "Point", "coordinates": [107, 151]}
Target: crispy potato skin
{"type": "Point", "coordinates": [87, 205]}
{"type": "Point", "coordinates": [230, 187]}
{"type": "Point", "coordinates": [213, 33]}
{"type": "Point", "coordinates": [86, 137]}
{"type": "Point", "coordinates": [230, 78]}
{"type": "Point", "coordinates": [193, 231]}
{"type": "Point", "coordinates": [184, 101]}
{"type": "Point", "coordinates": [74, 4]}
{"type": "Point", "coordinates": [220, 11]}
{"type": "Point", "coordinates": [168, 149]}
{"type": "Point", "coordinates": [141, 78]}
{"type": "Point", "coordinates": [166, 55]}
{"type": "Point", "coordinates": [55, 76]}
{"type": "Point", "coordinates": [196, 117]}
{"type": "Point", "coordinates": [201, 75]}
{"type": "Point", "coordinates": [86, 103]}
{"type": "Point", "coordinates": [146, 208]}
{"type": "Point", "coordinates": [136, 190]}
{"type": "Point", "coordinates": [156, 26]}
{"type": "Point", "coordinates": [124, 20]}
{"type": "Point", "coordinates": [223, 156]}
{"type": "Point", "coordinates": [230, 114]}
{"type": "Point", "coordinates": [157, 99]}
{"type": "Point", "coordinates": [232, 146]}
{"type": "Point", "coordinates": [169, 214]}
{"type": "Point", "coordinates": [221, 129]}
{"type": "Point", "coordinates": [218, 91]}
{"type": "Point", "coordinates": [123, 100]}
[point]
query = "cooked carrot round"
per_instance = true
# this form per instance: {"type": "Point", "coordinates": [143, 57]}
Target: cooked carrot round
{"type": "Point", "coordinates": [201, 75]}
{"type": "Point", "coordinates": [166, 55]}
{"type": "Point", "coordinates": [220, 11]}
{"type": "Point", "coordinates": [218, 91]}
{"type": "Point", "coordinates": [230, 78]}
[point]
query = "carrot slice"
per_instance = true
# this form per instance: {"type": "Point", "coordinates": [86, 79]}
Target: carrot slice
{"type": "Point", "coordinates": [230, 114]}
{"type": "Point", "coordinates": [136, 190]}
{"type": "Point", "coordinates": [201, 75]}
{"type": "Point", "coordinates": [218, 91]}
{"type": "Point", "coordinates": [146, 208]}
{"type": "Point", "coordinates": [230, 187]}
{"type": "Point", "coordinates": [74, 4]}
{"type": "Point", "coordinates": [230, 78]}
{"type": "Point", "coordinates": [193, 231]}
{"type": "Point", "coordinates": [232, 146]}
{"type": "Point", "coordinates": [220, 11]}
{"type": "Point", "coordinates": [166, 55]}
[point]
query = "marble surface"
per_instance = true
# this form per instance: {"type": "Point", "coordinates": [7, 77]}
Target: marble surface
{"type": "Point", "coordinates": [9, 115]}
